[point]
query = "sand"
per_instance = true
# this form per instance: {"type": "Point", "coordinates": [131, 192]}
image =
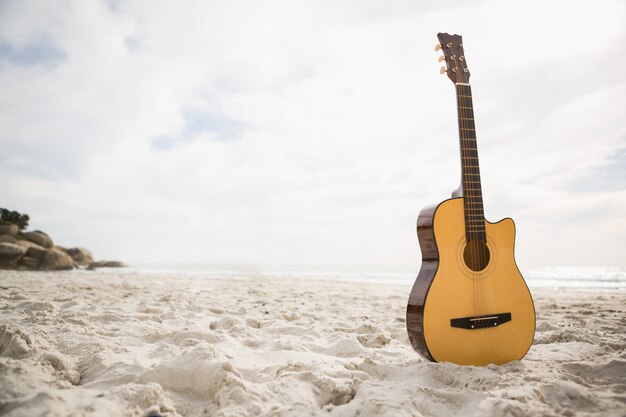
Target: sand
{"type": "Point", "coordinates": [120, 344]}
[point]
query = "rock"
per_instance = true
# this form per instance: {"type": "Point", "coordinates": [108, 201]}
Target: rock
{"type": "Point", "coordinates": [8, 229]}
{"type": "Point", "coordinates": [7, 239]}
{"type": "Point", "coordinates": [10, 253]}
{"type": "Point", "coordinates": [39, 238]}
{"type": "Point", "coordinates": [11, 249]}
{"type": "Point", "coordinates": [81, 256]}
{"type": "Point", "coordinates": [106, 264]}
{"type": "Point", "coordinates": [28, 262]}
{"type": "Point", "coordinates": [55, 259]}
{"type": "Point", "coordinates": [36, 251]}
{"type": "Point", "coordinates": [27, 244]}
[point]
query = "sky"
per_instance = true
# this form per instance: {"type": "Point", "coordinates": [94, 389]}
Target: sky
{"type": "Point", "coordinates": [309, 132]}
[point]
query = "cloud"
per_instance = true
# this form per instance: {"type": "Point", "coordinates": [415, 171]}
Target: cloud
{"type": "Point", "coordinates": [307, 132]}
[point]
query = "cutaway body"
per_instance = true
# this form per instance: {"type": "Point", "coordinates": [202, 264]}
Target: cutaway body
{"type": "Point", "coordinates": [493, 308]}
{"type": "Point", "coordinates": [469, 304]}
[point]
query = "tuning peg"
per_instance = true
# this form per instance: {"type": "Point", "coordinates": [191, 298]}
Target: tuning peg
{"type": "Point", "coordinates": [442, 70]}
{"type": "Point", "coordinates": [441, 58]}
{"type": "Point", "coordinates": [437, 47]}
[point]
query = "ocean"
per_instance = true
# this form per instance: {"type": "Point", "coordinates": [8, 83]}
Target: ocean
{"type": "Point", "coordinates": [566, 277]}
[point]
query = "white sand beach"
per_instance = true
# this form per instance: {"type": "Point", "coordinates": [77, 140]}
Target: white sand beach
{"type": "Point", "coordinates": [127, 344]}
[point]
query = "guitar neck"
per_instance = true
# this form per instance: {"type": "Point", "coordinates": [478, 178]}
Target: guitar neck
{"type": "Point", "coordinates": [470, 171]}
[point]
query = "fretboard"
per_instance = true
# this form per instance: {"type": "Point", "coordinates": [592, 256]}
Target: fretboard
{"type": "Point", "coordinates": [470, 171]}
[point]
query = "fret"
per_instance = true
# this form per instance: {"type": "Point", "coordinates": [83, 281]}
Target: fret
{"type": "Point", "coordinates": [469, 152]}
{"type": "Point", "coordinates": [472, 191]}
{"type": "Point", "coordinates": [463, 101]}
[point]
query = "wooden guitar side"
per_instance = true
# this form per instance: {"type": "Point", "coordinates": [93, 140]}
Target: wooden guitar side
{"type": "Point", "coordinates": [446, 289]}
{"type": "Point", "coordinates": [417, 297]}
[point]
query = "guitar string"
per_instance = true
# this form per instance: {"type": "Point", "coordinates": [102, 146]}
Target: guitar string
{"type": "Point", "coordinates": [484, 253]}
{"type": "Point", "coordinates": [467, 190]}
{"type": "Point", "coordinates": [480, 237]}
{"type": "Point", "coordinates": [474, 219]}
{"type": "Point", "coordinates": [474, 199]}
{"type": "Point", "coordinates": [473, 212]}
{"type": "Point", "coordinates": [481, 233]}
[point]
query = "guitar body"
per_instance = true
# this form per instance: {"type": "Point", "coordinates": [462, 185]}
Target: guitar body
{"type": "Point", "coordinates": [495, 300]}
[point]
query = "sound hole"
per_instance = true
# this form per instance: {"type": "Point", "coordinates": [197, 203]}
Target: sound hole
{"type": "Point", "coordinates": [476, 255]}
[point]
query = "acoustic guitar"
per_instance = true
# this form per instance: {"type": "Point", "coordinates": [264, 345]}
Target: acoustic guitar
{"type": "Point", "coordinates": [469, 304]}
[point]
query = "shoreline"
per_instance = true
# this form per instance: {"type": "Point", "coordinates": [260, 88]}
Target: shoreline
{"type": "Point", "coordinates": [134, 344]}
{"type": "Point", "coordinates": [191, 271]}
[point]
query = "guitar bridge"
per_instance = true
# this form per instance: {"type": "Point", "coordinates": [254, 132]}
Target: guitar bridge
{"type": "Point", "coordinates": [481, 322]}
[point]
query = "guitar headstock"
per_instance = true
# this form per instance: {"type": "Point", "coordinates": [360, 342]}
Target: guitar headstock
{"type": "Point", "coordinates": [453, 54]}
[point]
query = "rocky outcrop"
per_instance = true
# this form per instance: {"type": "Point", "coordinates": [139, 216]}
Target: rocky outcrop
{"type": "Point", "coordinates": [106, 264]}
{"type": "Point", "coordinates": [55, 259]}
{"type": "Point", "coordinates": [28, 262]}
{"type": "Point", "coordinates": [10, 253]}
{"type": "Point", "coordinates": [39, 238]}
{"type": "Point", "coordinates": [36, 251]}
{"type": "Point", "coordinates": [81, 256]}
